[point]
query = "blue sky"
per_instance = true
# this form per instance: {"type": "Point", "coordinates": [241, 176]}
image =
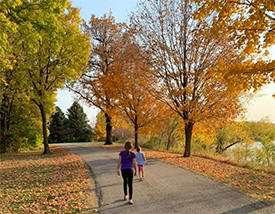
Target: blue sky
{"type": "Point", "coordinates": [263, 105]}
{"type": "Point", "coordinates": [120, 8]}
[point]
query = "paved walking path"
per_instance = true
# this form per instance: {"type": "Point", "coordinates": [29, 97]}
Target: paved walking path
{"type": "Point", "coordinates": [167, 189]}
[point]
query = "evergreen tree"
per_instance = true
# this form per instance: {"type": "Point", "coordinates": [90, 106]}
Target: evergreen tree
{"type": "Point", "coordinates": [77, 124]}
{"type": "Point", "coordinates": [56, 127]}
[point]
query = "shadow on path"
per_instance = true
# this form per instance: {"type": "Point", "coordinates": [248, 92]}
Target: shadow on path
{"type": "Point", "coordinates": [248, 208]}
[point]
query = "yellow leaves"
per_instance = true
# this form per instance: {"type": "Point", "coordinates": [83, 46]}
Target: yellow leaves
{"type": "Point", "coordinates": [4, 82]}
{"type": "Point", "coordinates": [100, 127]}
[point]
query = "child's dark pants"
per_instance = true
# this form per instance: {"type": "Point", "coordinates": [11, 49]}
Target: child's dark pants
{"type": "Point", "coordinates": [127, 175]}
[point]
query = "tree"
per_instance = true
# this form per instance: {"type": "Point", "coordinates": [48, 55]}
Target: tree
{"type": "Point", "coordinates": [51, 29]}
{"type": "Point", "coordinates": [77, 124]}
{"type": "Point", "coordinates": [189, 62]}
{"type": "Point", "coordinates": [236, 133]}
{"type": "Point", "coordinates": [131, 80]}
{"type": "Point", "coordinates": [11, 80]}
{"type": "Point", "coordinates": [56, 127]}
{"type": "Point", "coordinates": [18, 126]}
{"type": "Point", "coordinates": [94, 85]}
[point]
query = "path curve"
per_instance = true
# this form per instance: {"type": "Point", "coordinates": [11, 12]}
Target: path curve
{"type": "Point", "coordinates": [166, 189]}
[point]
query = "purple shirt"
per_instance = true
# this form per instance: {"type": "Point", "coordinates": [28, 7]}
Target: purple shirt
{"type": "Point", "coordinates": [127, 162]}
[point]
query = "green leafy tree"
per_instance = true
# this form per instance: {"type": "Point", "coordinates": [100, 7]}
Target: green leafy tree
{"type": "Point", "coordinates": [56, 127]}
{"type": "Point", "coordinates": [43, 49]}
{"type": "Point", "coordinates": [77, 125]}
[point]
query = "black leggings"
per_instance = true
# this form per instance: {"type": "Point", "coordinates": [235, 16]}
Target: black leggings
{"type": "Point", "coordinates": [127, 175]}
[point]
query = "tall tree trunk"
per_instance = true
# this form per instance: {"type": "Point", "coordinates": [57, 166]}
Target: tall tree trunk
{"type": "Point", "coordinates": [44, 127]}
{"type": "Point", "coordinates": [3, 115]}
{"type": "Point", "coordinates": [108, 140]}
{"type": "Point", "coordinates": [136, 135]}
{"type": "Point", "coordinates": [188, 127]}
{"type": "Point", "coordinates": [4, 123]}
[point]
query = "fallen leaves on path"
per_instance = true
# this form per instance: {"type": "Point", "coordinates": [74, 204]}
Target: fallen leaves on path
{"type": "Point", "coordinates": [258, 184]}
{"type": "Point", "coordinates": [34, 183]}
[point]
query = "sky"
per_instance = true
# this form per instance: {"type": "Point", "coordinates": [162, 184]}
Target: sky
{"type": "Point", "coordinates": [261, 106]}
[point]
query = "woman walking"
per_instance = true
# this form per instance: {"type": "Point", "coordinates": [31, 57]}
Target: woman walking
{"type": "Point", "coordinates": [127, 164]}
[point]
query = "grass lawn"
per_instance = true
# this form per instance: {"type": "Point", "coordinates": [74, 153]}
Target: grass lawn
{"type": "Point", "coordinates": [257, 183]}
{"type": "Point", "coordinates": [34, 183]}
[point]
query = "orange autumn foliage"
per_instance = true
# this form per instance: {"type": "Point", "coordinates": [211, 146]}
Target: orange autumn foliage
{"type": "Point", "coordinates": [95, 85]}
{"type": "Point", "coordinates": [250, 24]}
{"type": "Point", "coordinates": [132, 79]}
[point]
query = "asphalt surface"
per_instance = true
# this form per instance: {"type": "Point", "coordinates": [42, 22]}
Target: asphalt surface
{"type": "Point", "coordinates": [166, 189]}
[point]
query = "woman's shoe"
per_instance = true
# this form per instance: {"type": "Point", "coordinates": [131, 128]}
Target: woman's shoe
{"type": "Point", "coordinates": [131, 201]}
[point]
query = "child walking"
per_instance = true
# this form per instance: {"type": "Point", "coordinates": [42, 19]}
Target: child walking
{"type": "Point", "coordinates": [141, 160]}
{"type": "Point", "coordinates": [128, 166]}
